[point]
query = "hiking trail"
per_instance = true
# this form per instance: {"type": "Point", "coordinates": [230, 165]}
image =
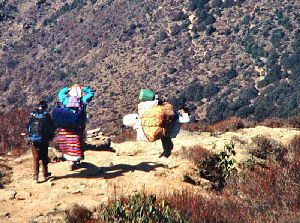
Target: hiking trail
{"type": "Point", "coordinates": [122, 169]}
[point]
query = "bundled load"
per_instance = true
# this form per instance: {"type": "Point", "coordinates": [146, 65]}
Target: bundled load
{"type": "Point", "coordinates": [65, 117]}
{"type": "Point", "coordinates": [146, 95]}
{"type": "Point", "coordinates": [156, 121]}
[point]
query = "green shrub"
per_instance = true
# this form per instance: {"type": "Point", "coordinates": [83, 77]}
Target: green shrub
{"type": "Point", "coordinates": [210, 30]}
{"type": "Point", "coordinates": [179, 16]}
{"type": "Point", "coordinates": [228, 3]}
{"type": "Point", "coordinates": [175, 30]}
{"type": "Point", "coordinates": [226, 161]}
{"type": "Point", "coordinates": [214, 111]}
{"type": "Point", "coordinates": [245, 112]}
{"type": "Point", "coordinates": [226, 76]}
{"type": "Point", "coordinates": [249, 93]}
{"type": "Point", "coordinates": [276, 37]}
{"type": "Point", "coordinates": [138, 208]}
{"type": "Point", "coordinates": [246, 20]}
{"type": "Point", "coordinates": [197, 4]}
{"type": "Point", "coordinates": [290, 62]}
{"type": "Point", "coordinates": [162, 36]}
{"type": "Point", "coordinates": [216, 3]}
{"type": "Point", "coordinates": [286, 23]}
{"type": "Point", "coordinates": [210, 90]}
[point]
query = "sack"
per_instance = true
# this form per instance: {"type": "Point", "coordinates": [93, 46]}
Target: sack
{"type": "Point", "coordinates": [75, 95]}
{"type": "Point", "coordinates": [36, 126]}
{"type": "Point", "coordinates": [74, 102]}
{"type": "Point", "coordinates": [145, 105]}
{"type": "Point", "coordinates": [146, 95]}
{"type": "Point", "coordinates": [68, 118]}
{"type": "Point", "coordinates": [157, 121]}
{"type": "Point", "coordinates": [130, 120]}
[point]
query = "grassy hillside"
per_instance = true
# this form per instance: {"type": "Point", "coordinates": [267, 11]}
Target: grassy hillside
{"type": "Point", "coordinates": [221, 59]}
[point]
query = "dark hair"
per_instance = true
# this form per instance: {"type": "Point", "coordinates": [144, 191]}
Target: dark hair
{"type": "Point", "coordinates": [43, 105]}
{"type": "Point", "coordinates": [185, 109]}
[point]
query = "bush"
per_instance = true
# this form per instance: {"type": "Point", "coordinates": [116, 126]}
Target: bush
{"type": "Point", "coordinates": [272, 60]}
{"type": "Point", "coordinates": [227, 76]}
{"type": "Point", "coordinates": [230, 124]}
{"type": "Point", "coordinates": [246, 20]}
{"type": "Point", "coordinates": [290, 62]}
{"type": "Point", "coordinates": [294, 121]}
{"type": "Point", "coordinates": [78, 214]}
{"type": "Point", "coordinates": [210, 30]}
{"type": "Point", "coordinates": [126, 135]}
{"type": "Point", "coordinates": [216, 3]}
{"type": "Point", "coordinates": [210, 90]}
{"type": "Point", "coordinates": [175, 30]}
{"type": "Point", "coordinates": [162, 36]}
{"type": "Point", "coordinates": [214, 111]}
{"type": "Point", "coordinates": [11, 129]}
{"type": "Point", "coordinates": [228, 3]}
{"type": "Point", "coordinates": [138, 208]}
{"type": "Point", "coordinates": [276, 37]}
{"type": "Point", "coordinates": [5, 174]}
{"type": "Point", "coordinates": [267, 148]}
{"type": "Point", "coordinates": [178, 16]}
{"type": "Point", "coordinates": [249, 93]}
{"type": "Point", "coordinates": [274, 122]}
{"type": "Point", "coordinates": [274, 74]}
{"type": "Point", "coordinates": [245, 112]}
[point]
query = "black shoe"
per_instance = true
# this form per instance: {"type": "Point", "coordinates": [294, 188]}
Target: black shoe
{"type": "Point", "coordinates": [165, 154]}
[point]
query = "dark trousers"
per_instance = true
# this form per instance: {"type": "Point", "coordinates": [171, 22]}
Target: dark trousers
{"type": "Point", "coordinates": [167, 144]}
{"type": "Point", "coordinates": [40, 152]}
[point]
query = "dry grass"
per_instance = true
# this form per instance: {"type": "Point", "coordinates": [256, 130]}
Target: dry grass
{"type": "Point", "coordinates": [78, 214]}
{"type": "Point", "coordinates": [267, 148]}
{"type": "Point", "coordinates": [275, 122]}
{"type": "Point", "coordinates": [5, 174]}
{"type": "Point", "coordinates": [13, 124]}
{"type": "Point", "coordinates": [231, 124]}
{"type": "Point", "coordinates": [259, 193]}
{"type": "Point", "coordinates": [127, 135]}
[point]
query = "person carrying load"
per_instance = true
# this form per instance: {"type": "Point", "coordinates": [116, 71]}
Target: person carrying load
{"type": "Point", "coordinates": [158, 121]}
{"type": "Point", "coordinates": [71, 119]}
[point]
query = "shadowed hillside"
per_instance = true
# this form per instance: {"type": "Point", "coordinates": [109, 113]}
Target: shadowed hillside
{"type": "Point", "coordinates": [220, 58]}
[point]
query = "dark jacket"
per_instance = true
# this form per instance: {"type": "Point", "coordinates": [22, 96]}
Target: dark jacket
{"type": "Point", "coordinates": [47, 129]}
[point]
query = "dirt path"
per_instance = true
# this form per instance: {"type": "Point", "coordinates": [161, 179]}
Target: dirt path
{"type": "Point", "coordinates": [122, 170]}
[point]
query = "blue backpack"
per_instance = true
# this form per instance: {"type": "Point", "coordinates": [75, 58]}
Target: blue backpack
{"type": "Point", "coordinates": [36, 125]}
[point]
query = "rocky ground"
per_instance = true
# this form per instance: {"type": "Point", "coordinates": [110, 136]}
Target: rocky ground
{"type": "Point", "coordinates": [120, 169]}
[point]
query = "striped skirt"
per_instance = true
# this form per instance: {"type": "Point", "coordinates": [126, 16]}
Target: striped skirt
{"type": "Point", "coordinates": [70, 144]}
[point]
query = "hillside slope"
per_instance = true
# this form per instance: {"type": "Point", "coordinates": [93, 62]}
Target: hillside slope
{"type": "Point", "coordinates": [220, 58]}
{"type": "Point", "coordinates": [132, 167]}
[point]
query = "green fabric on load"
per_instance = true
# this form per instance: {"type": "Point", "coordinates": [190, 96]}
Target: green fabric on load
{"type": "Point", "coordinates": [146, 95]}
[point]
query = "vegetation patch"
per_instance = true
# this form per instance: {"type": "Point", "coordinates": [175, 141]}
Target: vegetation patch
{"type": "Point", "coordinates": [135, 208]}
{"type": "Point", "coordinates": [5, 174]}
{"type": "Point", "coordinates": [12, 132]}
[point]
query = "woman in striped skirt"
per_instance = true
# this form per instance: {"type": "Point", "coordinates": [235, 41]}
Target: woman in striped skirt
{"type": "Point", "coordinates": [70, 139]}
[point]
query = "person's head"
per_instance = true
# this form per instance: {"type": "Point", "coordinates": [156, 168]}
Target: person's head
{"type": "Point", "coordinates": [184, 110]}
{"type": "Point", "coordinates": [43, 105]}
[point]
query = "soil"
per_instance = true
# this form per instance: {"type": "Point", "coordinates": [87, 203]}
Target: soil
{"type": "Point", "coordinates": [121, 169]}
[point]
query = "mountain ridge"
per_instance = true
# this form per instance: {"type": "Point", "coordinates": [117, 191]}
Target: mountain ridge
{"type": "Point", "coordinates": [219, 58]}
